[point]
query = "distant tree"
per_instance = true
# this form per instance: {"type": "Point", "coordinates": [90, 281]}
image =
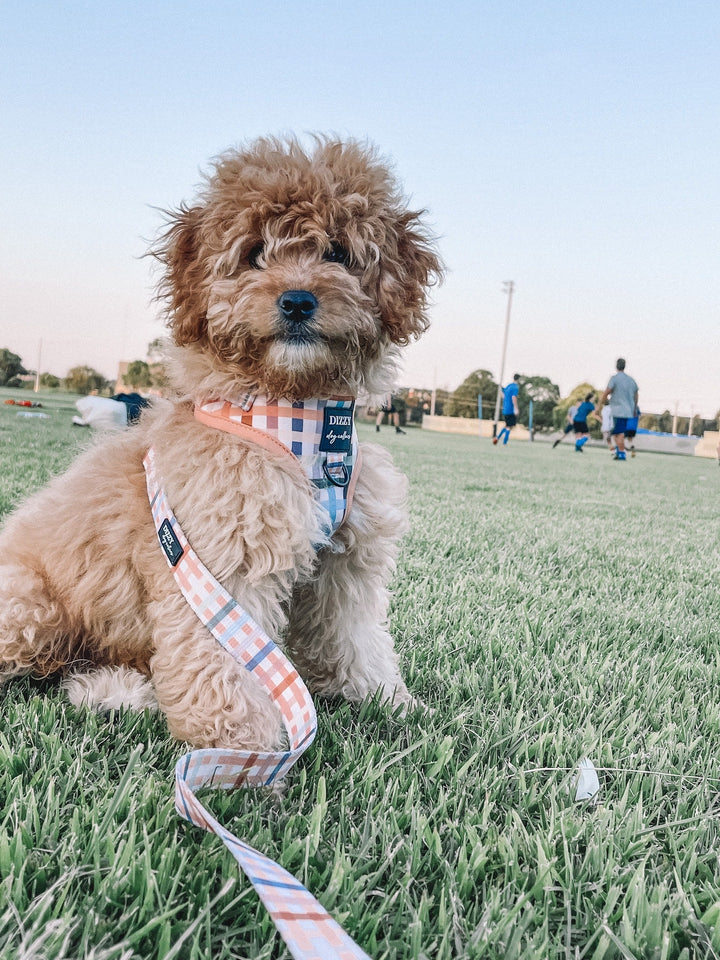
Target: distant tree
{"type": "Point", "coordinates": [159, 376]}
{"type": "Point", "coordinates": [698, 426]}
{"type": "Point", "coordinates": [545, 396]}
{"type": "Point", "coordinates": [10, 366]}
{"type": "Point", "coordinates": [648, 421]}
{"type": "Point", "coordinates": [84, 380]}
{"type": "Point", "coordinates": [463, 402]}
{"type": "Point", "coordinates": [156, 350]}
{"type": "Point", "coordinates": [665, 422]}
{"type": "Point", "coordinates": [49, 380]}
{"type": "Point", "coordinates": [138, 375]}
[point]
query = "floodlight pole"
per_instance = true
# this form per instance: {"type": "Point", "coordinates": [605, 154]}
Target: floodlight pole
{"type": "Point", "coordinates": [37, 371]}
{"type": "Point", "coordinates": [509, 286]}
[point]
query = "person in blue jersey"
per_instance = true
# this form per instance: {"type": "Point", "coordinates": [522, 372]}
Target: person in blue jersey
{"type": "Point", "coordinates": [622, 394]}
{"type": "Point", "coordinates": [580, 424]}
{"type": "Point", "coordinates": [510, 409]}
{"type": "Point", "coordinates": [568, 425]}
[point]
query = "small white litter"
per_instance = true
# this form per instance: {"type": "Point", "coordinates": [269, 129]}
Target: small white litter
{"type": "Point", "coordinates": [587, 783]}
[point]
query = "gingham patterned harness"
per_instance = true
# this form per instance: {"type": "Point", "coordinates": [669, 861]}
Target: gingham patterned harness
{"type": "Point", "coordinates": [308, 930]}
{"type": "Point", "coordinates": [319, 435]}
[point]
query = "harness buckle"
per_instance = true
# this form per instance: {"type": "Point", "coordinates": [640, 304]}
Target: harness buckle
{"type": "Point", "coordinates": [336, 473]}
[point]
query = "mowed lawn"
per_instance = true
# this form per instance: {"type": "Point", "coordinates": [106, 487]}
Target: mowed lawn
{"type": "Point", "coordinates": [548, 606]}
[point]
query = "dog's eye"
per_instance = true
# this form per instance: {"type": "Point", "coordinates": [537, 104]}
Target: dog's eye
{"type": "Point", "coordinates": [254, 257]}
{"type": "Point", "coordinates": [337, 254]}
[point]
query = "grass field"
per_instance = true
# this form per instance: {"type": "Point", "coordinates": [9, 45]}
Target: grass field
{"type": "Point", "coordinates": [548, 607]}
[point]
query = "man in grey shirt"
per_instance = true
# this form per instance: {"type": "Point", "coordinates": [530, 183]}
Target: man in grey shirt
{"type": "Point", "coordinates": [622, 392]}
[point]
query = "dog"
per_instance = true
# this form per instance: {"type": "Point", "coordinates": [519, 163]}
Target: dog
{"type": "Point", "coordinates": [296, 274]}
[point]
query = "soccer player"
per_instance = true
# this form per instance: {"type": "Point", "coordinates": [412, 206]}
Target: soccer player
{"type": "Point", "coordinates": [622, 393]}
{"type": "Point", "coordinates": [388, 407]}
{"type": "Point", "coordinates": [606, 425]}
{"type": "Point", "coordinates": [582, 432]}
{"type": "Point", "coordinates": [569, 425]}
{"type": "Point", "coordinates": [510, 410]}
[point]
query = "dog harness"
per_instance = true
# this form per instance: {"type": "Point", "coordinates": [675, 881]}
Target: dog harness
{"type": "Point", "coordinates": [318, 435]}
{"type": "Point", "coordinates": [306, 927]}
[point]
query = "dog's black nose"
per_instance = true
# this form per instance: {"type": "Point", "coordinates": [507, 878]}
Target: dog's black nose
{"type": "Point", "coordinates": [297, 305]}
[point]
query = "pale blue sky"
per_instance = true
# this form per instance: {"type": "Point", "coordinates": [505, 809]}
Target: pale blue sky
{"type": "Point", "coordinates": [571, 147]}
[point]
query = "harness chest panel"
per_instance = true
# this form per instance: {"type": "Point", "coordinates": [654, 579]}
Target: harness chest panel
{"type": "Point", "coordinates": [318, 434]}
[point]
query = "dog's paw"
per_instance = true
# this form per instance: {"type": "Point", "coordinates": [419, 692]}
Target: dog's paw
{"type": "Point", "coordinates": [411, 705]}
{"type": "Point", "coordinates": [110, 688]}
{"type": "Point", "coordinates": [399, 700]}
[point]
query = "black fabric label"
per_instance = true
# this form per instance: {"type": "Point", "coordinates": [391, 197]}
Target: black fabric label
{"type": "Point", "coordinates": [170, 543]}
{"type": "Point", "coordinates": [337, 430]}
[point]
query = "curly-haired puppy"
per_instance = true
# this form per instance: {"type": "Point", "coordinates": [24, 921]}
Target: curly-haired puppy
{"type": "Point", "coordinates": [293, 276]}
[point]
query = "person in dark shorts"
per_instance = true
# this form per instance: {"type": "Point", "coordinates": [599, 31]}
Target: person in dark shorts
{"type": "Point", "coordinates": [388, 407]}
{"type": "Point", "coordinates": [510, 410]}
{"type": "Point", "coordinates": [569, 425]}
{"type": "Point", "coordinates": [580, 425]}
{"type": "Point", "coordinates": [622, 394]}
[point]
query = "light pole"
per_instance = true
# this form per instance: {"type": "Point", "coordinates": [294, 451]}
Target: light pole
{"type": "Point", "coordinates": [509, 286]}
{"type": "Point", "coordinates": [37, 372]}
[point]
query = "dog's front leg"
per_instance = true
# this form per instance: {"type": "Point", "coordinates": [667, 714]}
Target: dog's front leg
{"type": "Point", "coordinates": [209, 699]}
{"type": "Point", "coordinates": [338, 635]}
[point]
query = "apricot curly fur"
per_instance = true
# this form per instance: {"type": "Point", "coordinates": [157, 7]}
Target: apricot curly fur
{"type": "Point", "coordinates": [84, 587]}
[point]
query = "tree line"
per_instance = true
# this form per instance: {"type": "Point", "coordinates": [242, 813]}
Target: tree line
{"type": "Point", "coordinates": [81, 379]}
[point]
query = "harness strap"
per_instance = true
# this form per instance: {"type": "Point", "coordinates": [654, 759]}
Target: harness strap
{"type": "Point", "coordinates": [306, 927]}
{"type": "Point", "coordinates": [221, 419]}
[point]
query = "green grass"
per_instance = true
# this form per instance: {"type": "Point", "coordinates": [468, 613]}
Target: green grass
{"type": "Point", "coordinates": [547, 607]}
{"type": "Point", "coordinates": [33, 449]}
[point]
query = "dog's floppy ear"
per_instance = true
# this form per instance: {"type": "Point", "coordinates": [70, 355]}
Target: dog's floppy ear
{"type": "Point", "coordinates": [182, 285]}
{"type": "Point", "coordinates": [409, 265]}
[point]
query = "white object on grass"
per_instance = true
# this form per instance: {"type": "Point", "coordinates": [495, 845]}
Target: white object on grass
{"type": "Point", "coordinates": [587, 784]}
{"type": "Point", "coordinates": [102, 413]}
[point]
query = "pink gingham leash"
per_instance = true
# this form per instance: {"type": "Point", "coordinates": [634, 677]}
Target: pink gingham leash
{"type": "Point", "coordinates": [306, 927]}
